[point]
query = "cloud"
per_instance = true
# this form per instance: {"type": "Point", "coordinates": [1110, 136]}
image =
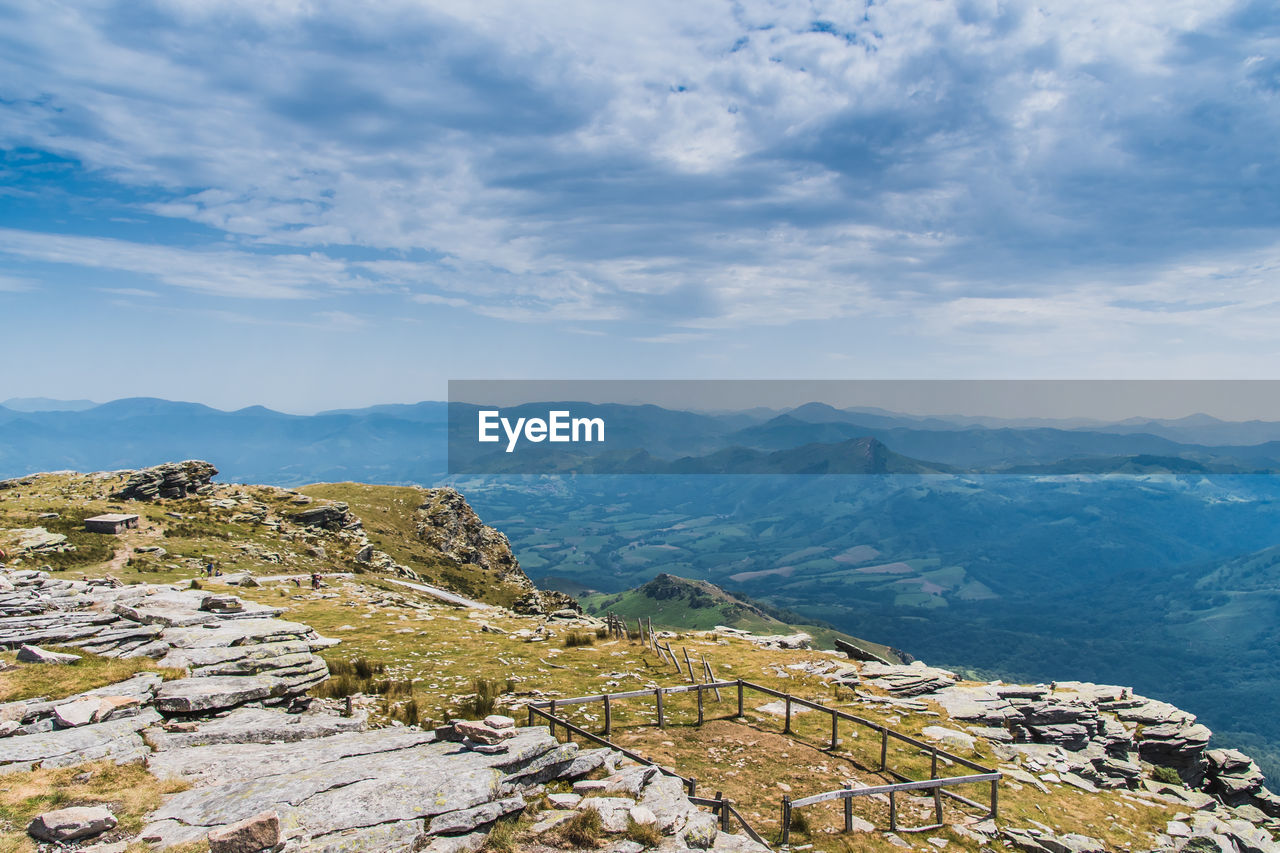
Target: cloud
{"type": "Point", "coordinates": [12, 284]}
{"type": "Point", "coordinates": [219, 272]}
{"type": "Point", "coordinates": [1004, 166]}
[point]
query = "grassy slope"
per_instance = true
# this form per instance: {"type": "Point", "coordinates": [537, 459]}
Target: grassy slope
{"type": "Point", "coordinates": [683, 604]}
{"type": "Point", "coordinates": [390, 519]}
{"type": "Point", "coordinates": [441, 652]}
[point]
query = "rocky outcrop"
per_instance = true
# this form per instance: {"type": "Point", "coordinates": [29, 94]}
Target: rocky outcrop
{"type": "Point", "coordinates": [170, 480]}
{"type": "Point", "coordinates": [334, 516]}
{"type": "Point", "coordinates": [540, 602]}
{"type": "Point", "coordinates": [448, 524]}
{"type": "Point", "coordinates": [911, 680]}
{"type": "Point", "coordinates": [1086, 735]}
{"type": "Point", "coordinates": [236, 654]}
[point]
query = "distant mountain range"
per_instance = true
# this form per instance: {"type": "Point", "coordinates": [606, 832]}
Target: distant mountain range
{"type": "Point", "coordinates": [409, 443]}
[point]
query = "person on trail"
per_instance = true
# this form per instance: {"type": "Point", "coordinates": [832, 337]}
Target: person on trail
{"type": "Point", "coordinates": [315, 580]}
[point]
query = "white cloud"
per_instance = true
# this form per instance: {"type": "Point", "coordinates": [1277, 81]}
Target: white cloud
{"type": "Point", "coordinates": [1013, 165]}
{"type": "Point", "coordinates": [220, 272]}
{"type": "Point", "coordinates": [13, 284]}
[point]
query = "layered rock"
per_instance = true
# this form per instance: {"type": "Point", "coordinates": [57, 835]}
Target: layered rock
{"type": "Point", "coordinates": [206, 634]}
{"type": "Point", "coordinates": [170, 480]}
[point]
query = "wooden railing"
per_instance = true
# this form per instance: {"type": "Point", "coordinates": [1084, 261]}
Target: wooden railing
{"type": "Point", "coordinates": [938, 785]}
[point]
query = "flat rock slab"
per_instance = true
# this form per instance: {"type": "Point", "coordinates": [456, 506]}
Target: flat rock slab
{"type": "Point", "coordinates": [259, 726]}
{"type": "Point", "coordinates": [223, 633]}
{"type": "Point", "coordinates": [192, 695]}
{"type": "Point", "coordinates": [348, 784]}
{"type": "Point", "coordinates": [215, 656]}
{"type": "Point", "coordinates": [115, 739]}
{"type": "Point", "coordinates": [220, 764]}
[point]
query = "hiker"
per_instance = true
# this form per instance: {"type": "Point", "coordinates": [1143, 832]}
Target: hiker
{"type": "Point", "coordinates": [315, 580]}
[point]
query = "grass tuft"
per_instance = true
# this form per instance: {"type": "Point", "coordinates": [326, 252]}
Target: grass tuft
{"type": "Point", "coordinates": [502, 838]}
{"type": "Point", "coordinates": [583, 829]}
{"type": "Point", "coordinates": [484, 698]}
{"type": "Point", "coordinates": [574, 640]}
{"type": "Point", "coordinates": [646, 834]}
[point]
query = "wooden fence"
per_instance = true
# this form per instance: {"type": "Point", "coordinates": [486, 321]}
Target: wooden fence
{"type": "Point", "coordinates": [938, 785]}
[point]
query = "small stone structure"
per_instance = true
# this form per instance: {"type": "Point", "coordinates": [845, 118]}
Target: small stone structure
{"type": "Point", "coordinates": [112, 522]}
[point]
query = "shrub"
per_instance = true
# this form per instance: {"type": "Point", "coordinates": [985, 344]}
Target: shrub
{"type": "Point", "coordinates": [484, 697]}
{"type": "Point", "coordinates": [407, 712]}
{"type": "Point", "coordinates": [348, 677]}
{"type": "Point", "coordinates": [602, 633]}
{"type": "Point", "coordinates": [799, 822]}
{"type": "Point", "coordinates": [1167, 775]}
{"type": "Point", "coordinates": [574, 639]}
{"type": "Point", "coordinates": [583, 829]}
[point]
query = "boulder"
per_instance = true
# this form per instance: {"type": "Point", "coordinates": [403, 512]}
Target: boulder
{"type": "Point", "coordinates": [35, 654]}
{"type": "Point", "coordinates": [71, 824]}
{"type": "Point", "coordinates": [79, 713]}
{"type": "Point", "coordinates": [483, 733]}
{"type": "Point", "coordinates": [251, 835]}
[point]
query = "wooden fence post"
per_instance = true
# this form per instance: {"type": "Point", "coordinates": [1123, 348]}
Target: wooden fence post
{"type": "Point", "coordinates": [739, 697]}
{"type": "Point", "coordinates": [658, 693]}
{"type": "Point", "coordinates": [693, 786]}
{"type": "Point", "coordinates": [884, 749]}
{"type": "Point", "coordinates": [835, 731]}
{"type": "Point", "coordinates": [692, 680]}
{"type": "Point", "coordinates": [699, 704]}
{"type": "Point", "coordinates": [933, 767]}
{"type": "Point", "coordinates": [786, 730]}
{"type": "Point", "coordinates": [893, 811]}
{"type": "Point", "coordinates": [531, 715]}
{"type": "Point", "coordinates": [608, 716]}
{"type": "Point", "coordinates": [937, 804]}
{"type": "Point", "coordinates": [711, 675]}
{"type": "Point", "coordinates": [786, 820]}
{"type": "Point", "coordinates": [848, 808]}
{"type": "Point", "coordinates": [995, 798]}
{"type": "Point", "coordinates": [722, 811]}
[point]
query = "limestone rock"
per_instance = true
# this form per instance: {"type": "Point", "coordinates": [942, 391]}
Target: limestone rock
{"type": "Point", "coordinates": [35, 654]}
{"type": "Point", "coordinates": [251, 835]}
{"type": "Point", "coordinates": [468, 820]}
{"type": "Point", "coordinates": [170, 480]}
{"type": "Point", "coordinates": [71, 824]}
{"type": "Point", "coordinates": [213, 693]}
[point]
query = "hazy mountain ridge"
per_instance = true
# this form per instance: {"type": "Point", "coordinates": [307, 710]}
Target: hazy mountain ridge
{"type": "Point", "coordinates": [407, 443]}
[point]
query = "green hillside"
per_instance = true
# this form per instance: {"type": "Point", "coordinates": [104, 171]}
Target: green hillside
{"type": "Point", "coordinates": [682, 604]}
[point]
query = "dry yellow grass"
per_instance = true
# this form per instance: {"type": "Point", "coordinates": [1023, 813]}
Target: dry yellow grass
{"type": "Point", "coordinates": [129, 791]}
{"type": "Point", "coordinates": [58, 681]}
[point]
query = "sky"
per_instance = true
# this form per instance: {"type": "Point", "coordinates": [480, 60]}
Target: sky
{"type": "Point", "coordinates": [309, 205]}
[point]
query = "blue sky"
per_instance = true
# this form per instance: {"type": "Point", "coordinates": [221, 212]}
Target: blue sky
{"type": "Point", "coordinates": [309, 205]}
